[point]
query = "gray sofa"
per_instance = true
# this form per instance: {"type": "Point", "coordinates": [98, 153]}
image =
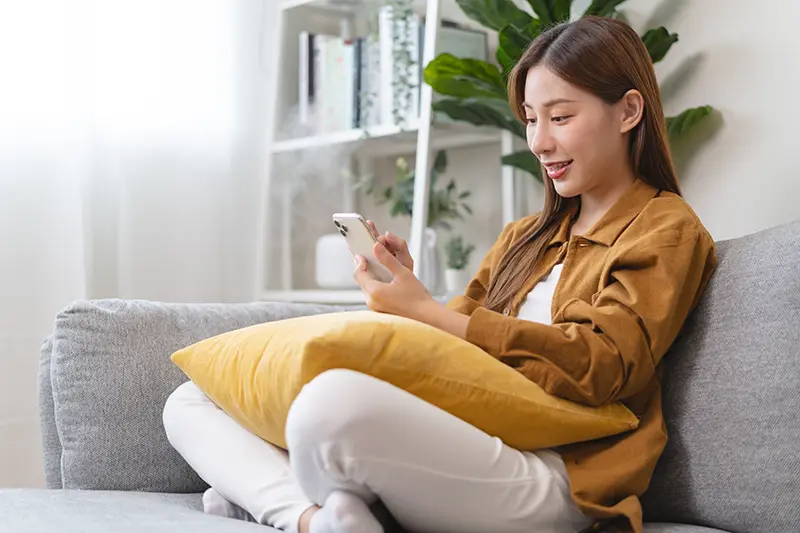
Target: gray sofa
{"type": "Point", "coordinates": [731, 398]}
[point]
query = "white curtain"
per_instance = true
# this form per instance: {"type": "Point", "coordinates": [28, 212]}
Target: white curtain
{"type": "Point", "coordinates": [132, 142]}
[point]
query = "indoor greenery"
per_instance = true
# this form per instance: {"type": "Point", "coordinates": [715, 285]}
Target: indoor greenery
{"type": "Point", "coordinates": [457, 252]}
{"type": "Point", "coordinates": [476, 90]}
{"type": "Point", "coordinates": [445, 204]}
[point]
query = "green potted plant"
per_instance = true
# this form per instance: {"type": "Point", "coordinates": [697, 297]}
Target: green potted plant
{"type": "Point", "coordinates": [476, 90]}
{"type": "Point", "coordinates": [458, 253]}
{"type": "Point", "coordinates": [445, 203]}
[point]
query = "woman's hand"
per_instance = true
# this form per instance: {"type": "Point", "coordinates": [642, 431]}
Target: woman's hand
{"type": "Point", "coordinates": [403, 296]}
{"type": "Point", "coordinates": [397, 246]}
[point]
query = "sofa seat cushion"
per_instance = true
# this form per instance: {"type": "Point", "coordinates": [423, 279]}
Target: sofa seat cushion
{"type": "Point", "coordinates": [678, 528]}
{"type": "Point", "coordinates": [84, 511]}
{"type": "Point", "coordinates": [96, 511]}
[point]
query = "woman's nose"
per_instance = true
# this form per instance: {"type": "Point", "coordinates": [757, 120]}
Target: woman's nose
{"type": "Point", "coordinates": [540, 141]}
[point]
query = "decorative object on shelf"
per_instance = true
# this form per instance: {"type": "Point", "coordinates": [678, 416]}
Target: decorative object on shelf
{"type": "Point", "coordinates": [334, 263]}
{"type": "Point", "coordinates": [390, 76]}
{"type": "Point", "coordinates": [476, 90]}
{"type": "Point", "coordinates": [372, 63]}
{"type": "Point", "coordinates": [456, 276]}
{"type": "Point", "coordinates": [445, 204]}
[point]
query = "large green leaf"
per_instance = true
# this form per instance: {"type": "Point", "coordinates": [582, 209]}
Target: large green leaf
{"type": "Point", "coordinates": [602, 8]}
{"type": "Point", "coordinates": [506, 61]}
{"type": "Point", "coordinates": [482, 112]}
{"type": "Point", "coordinates": [512, 42]}
{"type": "Point", "coordinates": [464, 78]}
{"type": "Point", "coordinates": [494, 14]}
{"type": "Point", "coordinates": [688, 119]}
{"type": "Point", "coordinates": [560, 9]}
{"type": "Point", "coordinates": [526, 161]}
{"type": "Point", "coordinates": [658, 42]}
{"type": "Point", "coordinates": [542, 10]}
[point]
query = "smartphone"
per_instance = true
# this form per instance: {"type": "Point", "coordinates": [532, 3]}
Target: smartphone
{"type": "Point", "coordinates": [360, 239]}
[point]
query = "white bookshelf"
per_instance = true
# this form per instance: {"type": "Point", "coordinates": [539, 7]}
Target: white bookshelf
{"type": "Point", "coordinates": [384, 141]}
{"type": "Point", "coordinates": [419, 139]}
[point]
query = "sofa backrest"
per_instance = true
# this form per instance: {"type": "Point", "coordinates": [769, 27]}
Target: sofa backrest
{"type": "Point", "coordinates": [732, 395]}
{"type": "Point", "coordinates": [105, 375]}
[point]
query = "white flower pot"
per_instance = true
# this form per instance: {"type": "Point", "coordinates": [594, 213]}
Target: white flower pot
{"type": "Point", "coordinates": [456, 280]}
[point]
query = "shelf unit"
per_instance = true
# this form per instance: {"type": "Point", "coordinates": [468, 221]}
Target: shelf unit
{"type": "Point", "coordinates": [421, 138]}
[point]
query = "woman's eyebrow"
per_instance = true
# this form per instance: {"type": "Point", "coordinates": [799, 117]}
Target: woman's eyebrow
{"type": "Point", "coordinates": [550, 103]}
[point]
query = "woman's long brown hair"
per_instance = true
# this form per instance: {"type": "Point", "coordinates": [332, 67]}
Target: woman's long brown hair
{"type": "Point", "coordinates": [607, 58]}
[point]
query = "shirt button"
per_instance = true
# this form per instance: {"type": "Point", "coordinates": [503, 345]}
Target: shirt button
{"type": "Point", "coordinates": [583, 243]}
{"type": "Point", "coordinates": [506, 311]}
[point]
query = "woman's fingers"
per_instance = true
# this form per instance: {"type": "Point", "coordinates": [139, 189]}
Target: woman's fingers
{"type": "Point", "coordinates": [371, 224]}
{"type": "Point", "coordinates": [399, 247]}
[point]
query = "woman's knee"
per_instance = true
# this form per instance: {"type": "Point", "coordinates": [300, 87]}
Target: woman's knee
{"type": "Point", "coordinates": [174, 415]}
{"type": "Point", "coordinates": [334, 405]}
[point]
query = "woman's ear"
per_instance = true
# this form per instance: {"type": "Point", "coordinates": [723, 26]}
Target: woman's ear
{"type": "Point", "coordinates": [632, 107]}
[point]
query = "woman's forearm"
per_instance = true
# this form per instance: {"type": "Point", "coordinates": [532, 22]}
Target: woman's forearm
{"type": "Point", "coordinates": [439, 316]}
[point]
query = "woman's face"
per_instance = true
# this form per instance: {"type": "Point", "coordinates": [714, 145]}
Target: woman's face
{"type": "Point", "coordinates": [579, 138]}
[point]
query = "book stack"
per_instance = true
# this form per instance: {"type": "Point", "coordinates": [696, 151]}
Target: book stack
{"type": "Point", "coordinates": [363, 82]}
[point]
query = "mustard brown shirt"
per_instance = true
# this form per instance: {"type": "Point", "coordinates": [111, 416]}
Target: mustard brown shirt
{"type": "Point", "coordinates": [625, 290]}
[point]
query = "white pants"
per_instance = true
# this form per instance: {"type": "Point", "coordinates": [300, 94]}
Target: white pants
{"type": "Point", "coordinates": [348, 431]}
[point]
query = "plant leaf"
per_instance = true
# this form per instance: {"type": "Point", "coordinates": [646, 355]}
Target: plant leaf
{"type": "Point", "coordinates": [686, 120]}
{"type": "Point", "coordinates": [494, 14]}
{"type": "Point", "coordinates": [602, 8]}
{"type": "Point", "coordinates": [513, 42]}
{"type": "Point", "coordinates": [465, 78]}
{"type": "Point", "coordinates": [440, 164]}
{"type": "Point", "coordinates": [658, 42]}
{"type": "Point", "coordinates": [482, 112]}
{"type": "Point", "coordinates": [561, 10]}
{"type": "Point", "coordinates": [526, 161]}
{"type": "Point", "coordinates": [542, 10]}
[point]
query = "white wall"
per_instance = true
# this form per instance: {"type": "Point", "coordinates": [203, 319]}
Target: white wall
{"type": "Point", "coordinates": [742, 58]}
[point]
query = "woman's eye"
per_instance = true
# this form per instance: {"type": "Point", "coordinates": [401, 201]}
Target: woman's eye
{"type": "Point", "coordinates": [560, 119]}
{"type": "Point", "coordinates": [531, 121]}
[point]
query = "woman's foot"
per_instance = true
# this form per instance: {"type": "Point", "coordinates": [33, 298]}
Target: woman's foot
{"type": "Point", "coordinates": [214, 503]}
{"type": "Point", "coordinates": [343, 512]}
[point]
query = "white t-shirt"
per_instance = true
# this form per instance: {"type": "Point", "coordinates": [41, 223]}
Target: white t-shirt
{"type": "Point", "coordinates": [536, 306]}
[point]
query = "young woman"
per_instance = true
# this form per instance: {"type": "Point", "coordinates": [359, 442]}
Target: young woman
{"type": "Point", "coordinates": [583, 299]}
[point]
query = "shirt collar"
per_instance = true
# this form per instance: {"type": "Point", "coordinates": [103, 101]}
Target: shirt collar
{"type": "Point", "coordinates": [613, 223]}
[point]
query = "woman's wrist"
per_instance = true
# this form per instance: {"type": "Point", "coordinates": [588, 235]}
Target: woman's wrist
{"type": "Point", "coordinates": [437, 315]}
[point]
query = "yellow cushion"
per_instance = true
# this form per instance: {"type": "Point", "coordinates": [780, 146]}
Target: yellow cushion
{"type": "Point", "coordinates": [255, 373]}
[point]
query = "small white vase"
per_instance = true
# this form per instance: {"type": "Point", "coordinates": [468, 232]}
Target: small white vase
{"type": "Point", "coordinates": [455, 280]}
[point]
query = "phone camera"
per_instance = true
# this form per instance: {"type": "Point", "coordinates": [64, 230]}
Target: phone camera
{"type": "Point", "coordinates": [337, 223]}
{"type": "Point", "coordinates": [343, 232]}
